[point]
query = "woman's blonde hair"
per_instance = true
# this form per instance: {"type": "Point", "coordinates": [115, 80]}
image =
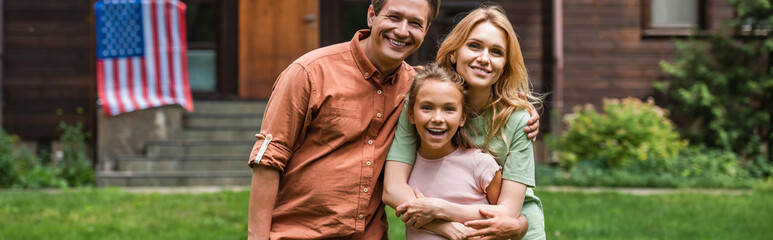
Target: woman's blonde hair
{"type": "Point", "coordinates": [514, 78]}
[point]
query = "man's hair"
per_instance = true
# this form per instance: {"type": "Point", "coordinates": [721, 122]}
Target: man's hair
{"type": "Point", "coordinates": [434, 8]}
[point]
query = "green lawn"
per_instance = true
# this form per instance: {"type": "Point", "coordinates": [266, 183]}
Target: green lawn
{"type": "Point", "coordinates": [113, 214]}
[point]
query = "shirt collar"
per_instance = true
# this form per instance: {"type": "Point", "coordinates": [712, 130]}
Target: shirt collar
{"type": "Point", "coordinates": [367, 69]}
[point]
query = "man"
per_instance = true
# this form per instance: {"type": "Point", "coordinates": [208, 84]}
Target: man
{"type": "Point", "coordinates": [327, 128]}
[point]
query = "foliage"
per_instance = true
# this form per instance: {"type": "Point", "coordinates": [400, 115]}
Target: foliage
{"type": "Point", "coordinates": [9, 170]}
{"type": "Point", "coordinates": [629, 133]}
{"type": "Point", "coordinates": [694, 167]}
{"type": "Point", "coordinates": [20, 168]}
{"type": "Point", "coordinates": [76, 169]}
{"type": "Point", "coordinates": [34, 174]}
{"type": "Point", "coordinates": [722, 86]}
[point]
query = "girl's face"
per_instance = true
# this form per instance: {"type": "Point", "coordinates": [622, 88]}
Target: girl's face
{"type": "Point", "coordinates": [482, 58]}
{"type": "Point", "coordinates": [437, 115]}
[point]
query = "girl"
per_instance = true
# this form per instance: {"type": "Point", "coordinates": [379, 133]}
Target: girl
{"type": "Point", "coordinates": [437, 108]}
{"type": "Point", "coordinates": [484, 50]}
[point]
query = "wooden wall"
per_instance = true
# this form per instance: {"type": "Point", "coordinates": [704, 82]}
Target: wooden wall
{"type": "Point", "coordinates": [606, 54]}
{"type": "Point", "coordinates": [48, 66]}
{"type": "Point", "coordinates": [272, 34]}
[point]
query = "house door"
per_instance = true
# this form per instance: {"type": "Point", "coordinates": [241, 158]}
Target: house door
{"type": "Point", "coordinates": [272, 34]}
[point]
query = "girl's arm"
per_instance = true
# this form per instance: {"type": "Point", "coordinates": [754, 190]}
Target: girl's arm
{"type": "Point", "coordinates": [397, 191]}
{"type": "Point", "coordinates": [420, 211]}
{"type": "Point", "coordinates": [492, 191]}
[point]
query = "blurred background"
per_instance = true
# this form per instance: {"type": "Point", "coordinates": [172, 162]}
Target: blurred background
{"type": "Point", "coordinates": [639, 93]}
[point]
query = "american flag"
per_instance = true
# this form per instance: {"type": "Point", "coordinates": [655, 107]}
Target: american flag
{"type": "Point", "coordinates": [141, 55]}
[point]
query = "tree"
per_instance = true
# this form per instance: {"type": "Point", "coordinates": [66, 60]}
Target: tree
{"type": "Point", "coordinates": [723, 85]}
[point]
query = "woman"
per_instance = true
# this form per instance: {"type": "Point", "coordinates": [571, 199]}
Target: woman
{"type": "Point", "coordinates": [484, 49]}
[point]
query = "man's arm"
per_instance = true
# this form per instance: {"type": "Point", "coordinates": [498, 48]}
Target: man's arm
{"type": "Point", "coordinates": [532, 128]}
{"type": "Point", "coordinates": [284, 121]}
{"type": "Point", "coordinates": [265, 183]}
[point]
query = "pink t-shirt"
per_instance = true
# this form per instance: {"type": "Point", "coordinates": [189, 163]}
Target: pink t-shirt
{"type": "Point", "coordinates": [460, 177]}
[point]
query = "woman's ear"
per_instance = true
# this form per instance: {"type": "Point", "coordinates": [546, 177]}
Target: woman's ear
{"type": "Point", "coordinates": [452, 56]}
{"type": "Point", "coordinates": [410, 117]}
{"type": "Point", "coordinates": [371, 16]}
{"type": "Point", "coordinates": [464, 120]}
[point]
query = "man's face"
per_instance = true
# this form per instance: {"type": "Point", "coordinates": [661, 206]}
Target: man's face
{"type": "Point", "coordinates": [398, 30]}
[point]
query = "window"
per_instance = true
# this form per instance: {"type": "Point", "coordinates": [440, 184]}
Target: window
{"type": "Point", "coordinates": [200, 19]}
{"type": "Point", "coordinates": [672, 17]}
{"type": "Point", "coordinates": [212, 27]}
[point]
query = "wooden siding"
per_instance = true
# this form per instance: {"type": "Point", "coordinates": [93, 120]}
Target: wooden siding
{"type": "Point", "coordinates": [606, 55]}
{"type": "Point", "coordinates": [48, 66]}
{"type": "Point", "coordinates": [272, 34]}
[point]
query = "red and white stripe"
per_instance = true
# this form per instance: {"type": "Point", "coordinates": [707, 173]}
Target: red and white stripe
{"type": "Point", "coordinates": [158, 78]}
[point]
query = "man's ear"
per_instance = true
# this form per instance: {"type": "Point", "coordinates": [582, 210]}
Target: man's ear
{"type": "Point", "coordinates": [371, 16]}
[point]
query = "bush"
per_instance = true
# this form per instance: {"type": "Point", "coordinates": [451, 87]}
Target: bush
{"type": "Point", "coordinates": [722, 86]}
{"type": "Point", "coordinates": [695, 166]}
{"type": "Point", "coordinates": [20, 168]}
{"type": "Point", "coordinates": [76, 166]}
{"type": "Point", "coordinates": [9, 169]}
{"type": "Point", "coordinates": [629, 133]}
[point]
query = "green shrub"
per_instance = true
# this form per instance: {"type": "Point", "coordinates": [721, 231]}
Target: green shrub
{"type": "Point", "coordinates": [9, 169]}
{"type": "Point", "coordinates": [722, 86]}
{"type": "Point", "coordinates": [76, 166]}
{"type": "Point", "coordinates": [20, 168]}
{"type": "Point", "coordinates": [629, 133]}
{"type": "Point", "coordinates": [695, 166]}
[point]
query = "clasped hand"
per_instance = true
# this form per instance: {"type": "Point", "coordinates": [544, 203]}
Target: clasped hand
{"type": "Point", "coordinates": [420, 211]}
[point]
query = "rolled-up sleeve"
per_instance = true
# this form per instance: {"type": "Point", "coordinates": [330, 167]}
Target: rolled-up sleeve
{"type": "Point", "coordinates": [285, 120]}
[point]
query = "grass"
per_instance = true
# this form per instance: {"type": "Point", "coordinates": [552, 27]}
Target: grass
{"type": "Point", "coordinates": [114, 214]}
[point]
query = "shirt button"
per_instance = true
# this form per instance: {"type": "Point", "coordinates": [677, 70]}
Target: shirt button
{"type": "Point", "coordinates": [379, 92]}
{"type": "Point", "coordinates": [365, 190]}
{"type": "Point", "coordinates": [361, 216]}
{"type": "Point", "coordinates": [367, 74]}
{"type": "Point", "coordinates": [378, 115]}
{"type": "Point", "coordinates": [370, 141]}
{"type": "Point", "coordinates": [367, 163]}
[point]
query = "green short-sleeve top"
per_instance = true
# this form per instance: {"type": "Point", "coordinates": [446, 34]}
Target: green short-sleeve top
{"type": "Point", "coordinates": [516, 157]}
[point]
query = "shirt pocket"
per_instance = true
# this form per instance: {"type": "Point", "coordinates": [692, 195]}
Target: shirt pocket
{"type": "Point", "coordinates": [338, 126]}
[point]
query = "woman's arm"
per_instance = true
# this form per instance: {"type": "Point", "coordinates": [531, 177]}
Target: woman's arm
{"type": "Point", "coordinates": [396, 189]}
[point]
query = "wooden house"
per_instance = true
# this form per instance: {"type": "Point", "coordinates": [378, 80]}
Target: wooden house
{"type": "Point", "coordinates": [579, 51]}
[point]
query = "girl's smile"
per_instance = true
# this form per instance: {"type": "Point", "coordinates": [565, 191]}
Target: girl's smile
{"type": "Point", "coordinates": [437, 115]}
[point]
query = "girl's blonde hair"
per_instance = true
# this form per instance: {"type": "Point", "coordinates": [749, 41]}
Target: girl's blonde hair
{"type": "Point", "coordinates": [514, 78]}
{"type": "Point", "coordinates": [434, 72]}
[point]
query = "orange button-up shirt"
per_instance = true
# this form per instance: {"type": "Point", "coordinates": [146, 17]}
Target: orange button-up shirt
{"type": "Point", "coordinates": [327, 129]}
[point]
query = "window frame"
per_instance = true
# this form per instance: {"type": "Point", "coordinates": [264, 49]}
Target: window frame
{"type": "Point", "coordinates": [649, 30]}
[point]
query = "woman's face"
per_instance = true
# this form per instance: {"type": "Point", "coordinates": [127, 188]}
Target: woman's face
{"type": "Point", "coordinates": [482, 57]}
